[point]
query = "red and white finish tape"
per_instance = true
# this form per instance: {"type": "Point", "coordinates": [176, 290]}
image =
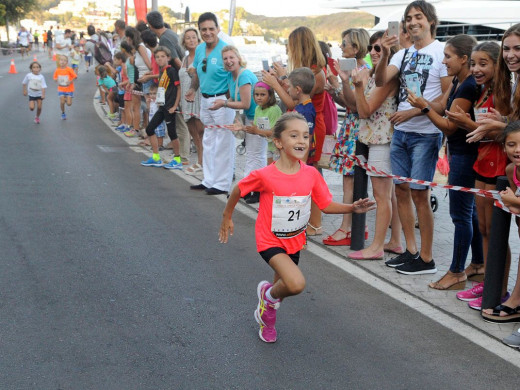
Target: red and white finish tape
{"type": "Point", "coordinates": [492, 194]}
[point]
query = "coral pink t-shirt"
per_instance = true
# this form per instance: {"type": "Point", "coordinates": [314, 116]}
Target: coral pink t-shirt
{"type": "Point", "coordinates": [285, 204]}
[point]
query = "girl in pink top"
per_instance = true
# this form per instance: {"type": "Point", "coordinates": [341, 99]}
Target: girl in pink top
{"type": "Point", "coordinates": [286, 189]}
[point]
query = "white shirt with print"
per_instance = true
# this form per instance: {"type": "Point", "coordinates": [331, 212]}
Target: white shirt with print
{"type": "Point", "coordinates": [430, 69]}
{"type": "Point", "coordinates": [35, 83]}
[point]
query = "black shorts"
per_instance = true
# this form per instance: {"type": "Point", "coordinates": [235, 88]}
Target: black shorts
{"type": "Point", "coordinates": [487, 180]}
{"type": "Point", "coordinates": [34, 98]}
{"type": "Point", "coordinates": [268, 254]}
{"type": "Point", "coordinates": [161, 115]}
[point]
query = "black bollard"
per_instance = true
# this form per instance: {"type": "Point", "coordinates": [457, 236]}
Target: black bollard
{"type": "Point", "coordinates": [357, 241]}
{"type": "Point", "coordinates": [497, 252]}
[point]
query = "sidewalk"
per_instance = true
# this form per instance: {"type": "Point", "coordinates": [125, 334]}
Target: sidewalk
{"type": "Point", "coordinates": [414, 285]}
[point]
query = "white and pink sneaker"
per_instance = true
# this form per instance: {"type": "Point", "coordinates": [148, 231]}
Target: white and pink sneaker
{"type": "Point", "coordinates": [476, 304]}
{"type": "Point", "coordinates": [265, 313]}
{"type": "Point", "coordinates": [471, 294]}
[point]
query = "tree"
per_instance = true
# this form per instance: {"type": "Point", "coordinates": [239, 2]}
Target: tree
{"type": "Point", "coordinates": [168, 15]}
{"type": "Point", "coordinates": [2, 14]}
{"type": "Point", "coordinates": [15, 10]}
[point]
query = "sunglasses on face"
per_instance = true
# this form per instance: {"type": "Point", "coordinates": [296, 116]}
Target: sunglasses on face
{"type": "Point", "coordinates": [377, 48]}
{"type": "Point", "coordinates": [204, 65]}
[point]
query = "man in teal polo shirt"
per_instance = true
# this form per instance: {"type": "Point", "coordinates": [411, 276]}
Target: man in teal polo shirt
{"type": "Point", "coordinates": [218, 157]}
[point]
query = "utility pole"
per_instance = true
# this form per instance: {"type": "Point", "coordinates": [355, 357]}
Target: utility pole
{"type": "Point", "coordinates": [155, 6]}
{"type": "Point", "coordinates": [123, 10]}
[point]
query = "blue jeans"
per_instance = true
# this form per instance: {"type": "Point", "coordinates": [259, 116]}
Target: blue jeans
{"type": "Point", "coordinates": [463, 213]}
{"type": "Point", "coordinates": [415, 155]}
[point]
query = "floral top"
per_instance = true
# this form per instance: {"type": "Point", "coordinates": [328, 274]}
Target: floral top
{"type": "Point", "coordinates": [377, 129]}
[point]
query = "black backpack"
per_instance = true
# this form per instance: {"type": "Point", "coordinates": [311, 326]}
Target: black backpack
{"type": "Point", "coordinates": [102, 53]}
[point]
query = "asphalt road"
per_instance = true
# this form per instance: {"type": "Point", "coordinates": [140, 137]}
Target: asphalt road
{"type": "Point", "coordinates": [112, 277]}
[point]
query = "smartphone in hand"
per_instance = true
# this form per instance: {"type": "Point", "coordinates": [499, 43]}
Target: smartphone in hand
{"type": "Point", "coordinates": [393, 29]}
{"type": "Point", "coordinates": [346, 64]}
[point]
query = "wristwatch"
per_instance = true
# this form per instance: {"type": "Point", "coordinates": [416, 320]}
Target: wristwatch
{"type": "Point", "coordinates": [426, 109]}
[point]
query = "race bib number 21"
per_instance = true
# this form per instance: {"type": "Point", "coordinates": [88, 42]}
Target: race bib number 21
{"type": "Point", "coordinates": [290, 215]}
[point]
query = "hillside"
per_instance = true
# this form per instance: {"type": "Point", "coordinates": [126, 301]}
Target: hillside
{"type": "Point", "coordinates": [326, 27]}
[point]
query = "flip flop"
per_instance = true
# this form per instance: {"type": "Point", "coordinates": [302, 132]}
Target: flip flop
{"type": "Point", "coordinates": [513, 315]}
{"type": "Point", "coordinates": [193, 169]}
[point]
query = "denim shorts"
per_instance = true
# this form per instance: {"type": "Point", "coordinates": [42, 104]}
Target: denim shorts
{"type": "Point", "coordinates": [415, 155]}
{"type": "Point", "coordinates": [68, 94]}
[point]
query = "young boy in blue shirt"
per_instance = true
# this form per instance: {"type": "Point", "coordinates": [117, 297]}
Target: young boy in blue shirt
{"type": "Point", "coordinates": [301, 83]}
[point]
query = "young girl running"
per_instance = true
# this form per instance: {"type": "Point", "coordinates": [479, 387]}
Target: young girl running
{"type": "Point", "coordinates": [34, 85]}
{"type": "Point", "coordinates": [267, 113]}
{"type": "Point", "coordinates": [64, 76]}
{"type": "Point", "coordinates": [286, 189]}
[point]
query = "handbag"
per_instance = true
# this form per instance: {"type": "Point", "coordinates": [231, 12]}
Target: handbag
{"type": "Point", "coordinates": [330, 115]}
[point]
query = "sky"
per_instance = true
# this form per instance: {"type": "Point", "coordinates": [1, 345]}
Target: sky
{"type": "Point", "coordinates": [263, 7]}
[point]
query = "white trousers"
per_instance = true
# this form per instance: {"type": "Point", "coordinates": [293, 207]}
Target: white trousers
{"type": "Point", "coordinates": [218, 158]}
{"type": "Point", "coordinates": [256, 151]}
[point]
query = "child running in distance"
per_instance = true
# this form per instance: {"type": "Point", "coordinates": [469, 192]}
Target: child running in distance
{"type": "Point", "coordinates": [109, 86]}
{"type": "Point", "coordinates": [286, 189]}
{"type": "Point", "coordinates": [168, 97]}
{"type": "Point", "coordinates": [75, 58]}
{"type": "Point", "coordinates": [34, 86]}
{"type": "Point", "coordinates": [64, 76]}
{"type": "Point", "coordinates": [160, 131]}
{"type": "Point", "coordinates": [267, 113]}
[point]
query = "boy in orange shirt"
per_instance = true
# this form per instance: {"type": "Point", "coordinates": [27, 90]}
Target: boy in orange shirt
{"type": "Point", "coordinates": [64, 76]}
